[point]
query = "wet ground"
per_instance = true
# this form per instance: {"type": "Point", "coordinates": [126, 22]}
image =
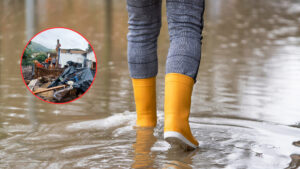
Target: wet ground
{"type": "Point", "coordinates": [245, 108]}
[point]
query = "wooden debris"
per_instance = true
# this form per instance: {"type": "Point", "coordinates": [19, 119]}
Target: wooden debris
{"type": "Point", "coordinates": [40, 72]}
{"type": "Point", "coordinates": [49, 89]}
{"type": "Point", "coordinates": [45, 94]}
{"type": "Point", "coordinates": [45, 85]}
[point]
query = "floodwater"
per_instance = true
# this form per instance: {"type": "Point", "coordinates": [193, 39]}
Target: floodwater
{"type": "Point", "coordinates": [245, 108]}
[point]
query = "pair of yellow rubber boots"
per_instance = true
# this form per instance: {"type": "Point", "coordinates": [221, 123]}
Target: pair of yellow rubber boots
{"type": "Point", "coordinates": [178, 92]}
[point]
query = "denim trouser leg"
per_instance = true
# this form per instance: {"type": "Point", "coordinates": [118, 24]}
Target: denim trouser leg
{"type": "Point", "coordinates": [144, 27]}
{"type": "Point", "coordinates": [185, 23]}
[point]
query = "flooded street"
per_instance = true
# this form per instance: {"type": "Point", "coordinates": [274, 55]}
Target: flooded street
{"type": "Point", "coordinates": [245, 105]}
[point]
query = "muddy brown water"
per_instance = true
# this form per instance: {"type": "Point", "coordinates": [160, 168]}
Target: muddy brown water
{"type": "Point", "coordinates": [245, 109]}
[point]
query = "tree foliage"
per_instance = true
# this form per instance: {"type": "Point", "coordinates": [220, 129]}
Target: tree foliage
{"type": "Point", "coordinates": [27, 58]}
{"type": "Point", "coordinates": [41, 57]}
{"type": "Point", "coordinates": [89, 48]}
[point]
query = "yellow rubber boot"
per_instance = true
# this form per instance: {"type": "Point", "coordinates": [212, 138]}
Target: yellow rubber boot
{"type": "Point", "coordinates": [178, 92]}
{"type": "Point", "coordinates": [145, 101]}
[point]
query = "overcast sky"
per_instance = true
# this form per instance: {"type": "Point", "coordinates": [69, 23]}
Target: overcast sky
{"type": "Point", "coordinates": [67, 38]}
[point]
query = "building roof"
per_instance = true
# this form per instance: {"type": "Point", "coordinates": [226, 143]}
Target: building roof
{"type": "Point", "coordinates": [73, 51]}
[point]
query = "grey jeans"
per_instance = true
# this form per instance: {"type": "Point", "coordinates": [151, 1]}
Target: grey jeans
{"type": "Point", "coordinates": [185, 24]}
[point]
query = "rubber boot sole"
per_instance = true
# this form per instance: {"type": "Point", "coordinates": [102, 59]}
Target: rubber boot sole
{"type": "Point", "coordinates": [175, 138]}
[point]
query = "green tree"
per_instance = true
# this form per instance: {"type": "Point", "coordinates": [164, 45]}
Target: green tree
{"type": "Point", "coordinates": [41, 57]}
{"type": "Point", "coordinates": [89, 48]}
{"type": "Point", "coordinates": [26, 58]}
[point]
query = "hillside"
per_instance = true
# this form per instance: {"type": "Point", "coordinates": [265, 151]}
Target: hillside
{"type": "Point", "coordinates": [36, 47]}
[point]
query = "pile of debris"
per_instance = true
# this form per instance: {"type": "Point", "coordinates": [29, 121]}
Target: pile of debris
{"type": "Point", "coordinates": [27, 73]}
{"type": "Point", "coordinates": [69, 85]}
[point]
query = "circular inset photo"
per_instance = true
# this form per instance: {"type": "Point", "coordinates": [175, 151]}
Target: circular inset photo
{"type": "Point", "coordinates": [58, 65]}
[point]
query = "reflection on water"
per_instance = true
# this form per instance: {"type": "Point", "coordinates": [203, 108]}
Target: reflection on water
{"type": "Point", "coordinates": [245, 110]}
{"type": "Point", "coordinates": [30, 29]}
{"type": "Point", "coordinates": [143, 157]}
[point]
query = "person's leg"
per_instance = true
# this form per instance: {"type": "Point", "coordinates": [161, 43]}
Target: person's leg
{"type": "Point", "coordinates": [144, 27]}
{"type": "Point", "coordinates": [185, 23]}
